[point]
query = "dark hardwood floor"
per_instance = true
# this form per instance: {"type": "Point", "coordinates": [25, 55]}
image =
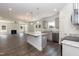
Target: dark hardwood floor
{"type": "Point", "coordinates": [16, 45]}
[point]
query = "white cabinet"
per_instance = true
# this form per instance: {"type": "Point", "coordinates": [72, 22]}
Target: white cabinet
{"type": "Point", "coordinates": [44, 41]}
{"type": "Point", "coordinates": [39, 41]}
{"type": "Point", "coordinates": [70, 48]}
{"type": "Point", "coordinates": [75, 14]}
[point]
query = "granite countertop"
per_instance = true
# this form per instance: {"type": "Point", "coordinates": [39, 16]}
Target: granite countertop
{"type": "Point", "coordinates": [71, 38]}
{"type": "Point", "coordinates": [71, 41]}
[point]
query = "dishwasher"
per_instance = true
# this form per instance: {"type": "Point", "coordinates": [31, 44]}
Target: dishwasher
{"type": "Point", "coordinates": [70, 46]}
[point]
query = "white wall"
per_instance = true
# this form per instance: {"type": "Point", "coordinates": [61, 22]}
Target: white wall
{"type": "Point", "coordinates": [9, 27]}
{"type": "Point", "coordinates": [31, 27]}
{"type": "Point", "coordinates": [3, 31]}
{"type": "Point", "coordinates": [24, 25]}
{"type": "Point", "coordinates": [53, 18]}
{"type": "Point", "coordinates": [65, 26]}
{"type": "Point", "coordinates": [12, 25]}
{"type": "Point", "coordinates": [8, 24]}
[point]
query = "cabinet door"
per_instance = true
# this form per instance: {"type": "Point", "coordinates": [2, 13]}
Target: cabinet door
{"type": "Point", "coordinates": [44, 41]}
{"type": "Point", "coordinates": [49, 36]}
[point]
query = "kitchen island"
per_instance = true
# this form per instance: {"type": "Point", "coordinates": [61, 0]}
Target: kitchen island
{"type": "Point", "coordinates": [37, 40]}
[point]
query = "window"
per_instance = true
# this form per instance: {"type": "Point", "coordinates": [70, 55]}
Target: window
{"type": "Point", "coordinates": [39, 26]}
{"type": "Point", "coordinates": [51, 24]}
{"type": "Point", "coordinates": [3, 27]}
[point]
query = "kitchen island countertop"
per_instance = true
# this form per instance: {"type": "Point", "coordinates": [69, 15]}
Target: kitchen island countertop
{"type": "Point", "coordinates": [35, 34]}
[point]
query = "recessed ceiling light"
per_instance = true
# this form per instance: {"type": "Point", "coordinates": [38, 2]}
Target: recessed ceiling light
{"type": "Point", "coordinates": [55, 9]}
{"type": "Point", "coordinates": [38, 22]}
{"type": "Point", "coordinates": [10, 9]}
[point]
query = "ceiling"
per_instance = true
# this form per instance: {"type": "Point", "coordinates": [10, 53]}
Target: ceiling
{"type": "Point", "coordinates": [29, 11]}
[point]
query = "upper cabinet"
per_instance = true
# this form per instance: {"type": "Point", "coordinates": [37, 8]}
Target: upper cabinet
{"type": "Point", "coordinates": [75, 14]}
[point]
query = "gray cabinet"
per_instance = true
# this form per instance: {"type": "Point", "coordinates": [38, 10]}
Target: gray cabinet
{"type": "Point", "coordinates": [56, 37]}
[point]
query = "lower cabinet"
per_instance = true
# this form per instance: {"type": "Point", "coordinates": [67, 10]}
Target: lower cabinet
{"type": "Point", "coordinates": [70, 48]}
{"type": "Point", "coordinates": [44, 41]}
